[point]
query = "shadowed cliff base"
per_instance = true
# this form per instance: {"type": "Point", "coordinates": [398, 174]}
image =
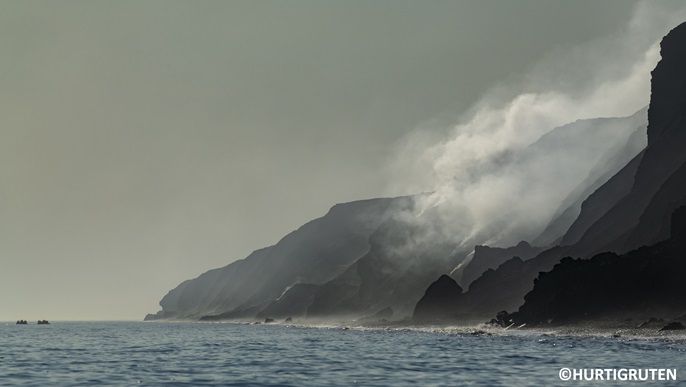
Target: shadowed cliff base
{"type": "Point", "coordinates": [644, 285]}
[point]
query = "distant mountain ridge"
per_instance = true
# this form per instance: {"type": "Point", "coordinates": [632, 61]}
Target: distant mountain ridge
{"type": "Point", "coordinates": [370, 255]}
{"type": "Point", "coordinates": [379, 256]}
{"type": "Point", "coordinates": [313, 254]}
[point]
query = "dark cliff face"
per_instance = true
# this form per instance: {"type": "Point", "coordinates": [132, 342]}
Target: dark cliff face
{"type": "Point", "coordinates": [602, 200]}
{"type": "Point", "coordinates": [639, 284]}
{"type": "Point", "coordinates": [661, 159]}
{"type": "Point", "coordinates": [631, 210]}
{"type": "Point", "coordinates": [668, 98]}
{"type": "Point", "coordinates": [440, 301]}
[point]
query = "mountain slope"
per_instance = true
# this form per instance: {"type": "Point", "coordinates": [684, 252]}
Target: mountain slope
{"type": "Point", "coordinates": [313, 254]}
{"type": "Point", "coordinates": [663, 156]}
{"type": "Point", "coordinates": [611, 163]}
{"type": "Point", "coordinates": [631, 210]}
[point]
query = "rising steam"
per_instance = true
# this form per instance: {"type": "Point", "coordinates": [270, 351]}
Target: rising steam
{"type": "Point", "coordinates": [491, 185]}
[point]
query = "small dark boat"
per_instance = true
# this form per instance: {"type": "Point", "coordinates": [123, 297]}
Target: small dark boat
{"type": "Point", "coordinates": [43, 322]}
{"type": "Point", "coordinates": [22, 322]}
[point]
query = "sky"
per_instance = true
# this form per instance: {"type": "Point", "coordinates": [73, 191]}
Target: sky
{"type": "Point", "coordinates": [144, 143]}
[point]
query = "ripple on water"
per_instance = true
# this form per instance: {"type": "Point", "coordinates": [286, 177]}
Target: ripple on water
{"type": "Point", "coordinates": [190, 354]}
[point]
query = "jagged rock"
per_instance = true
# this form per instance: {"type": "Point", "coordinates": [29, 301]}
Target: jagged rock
{"type": "Point", "coordinates": [288, 319]}
{"type": "Point", "coordinates": [673, 326]}
{"type": "Point", "coordinates": [502, 319]}
{"type": "Point", "coordinates": [440, 302]}
{"type": "Point", "coordinates": [268, 320]}
{"type": "Point", "coordinates": [611, 286]}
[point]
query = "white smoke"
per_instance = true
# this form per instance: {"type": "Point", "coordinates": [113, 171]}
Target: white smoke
{"type": "Point", "coordinates": [489, 186]}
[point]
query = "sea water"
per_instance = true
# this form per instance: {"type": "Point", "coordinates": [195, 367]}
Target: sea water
{"type": "Point", "coordinates": [197, 354]}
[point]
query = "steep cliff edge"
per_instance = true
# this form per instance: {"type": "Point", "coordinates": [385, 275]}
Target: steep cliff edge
{"type": "Point", "coordinates": [314, 254]}
{"type": "Point", "coordinates": [631, 210]}
{"type": "Point", "coordinates": [661, 159]}
{"type": "Point", "coordinates": [639, 284]}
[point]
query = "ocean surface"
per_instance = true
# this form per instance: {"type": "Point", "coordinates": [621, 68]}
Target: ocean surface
{"type": "Point", "coordinates": [198, 354]}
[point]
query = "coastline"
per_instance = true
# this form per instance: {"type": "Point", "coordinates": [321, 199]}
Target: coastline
{"type": "Point", "coordinates": [590, 329]}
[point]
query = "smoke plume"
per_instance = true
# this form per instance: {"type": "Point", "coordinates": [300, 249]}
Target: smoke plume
{"type": "Point", "coordinates": [494, 177]}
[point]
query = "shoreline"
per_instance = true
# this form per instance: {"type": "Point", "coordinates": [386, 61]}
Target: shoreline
{"type": "Point", "coordinates": [605, 329]}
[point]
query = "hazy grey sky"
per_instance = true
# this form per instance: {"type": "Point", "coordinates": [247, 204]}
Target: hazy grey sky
{"type": "Point", "coordinates": [145, 142]}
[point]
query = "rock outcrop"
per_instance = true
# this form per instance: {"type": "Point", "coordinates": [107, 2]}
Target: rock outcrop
{"type": "Point", "coordinates": [643, 282]}
{"type": "Point", "coordinates": [440, 302]}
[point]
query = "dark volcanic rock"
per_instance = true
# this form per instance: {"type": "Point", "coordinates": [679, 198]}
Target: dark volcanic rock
{"type": "Point", "coordinates": [504, 288]}
{"type": "Point", "coordinates": [642, 281]}
{"type": "Point", "coordinates": [440, 302]}
{"type": "Point", "coordinates": [673, 326]}
{"type": "Point", "coordinates": [664, 156]}
{"type": "Point", "coordinates": [668, 98]}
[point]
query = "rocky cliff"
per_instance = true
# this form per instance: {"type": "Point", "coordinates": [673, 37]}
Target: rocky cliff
{"type": "Point", "coordinates": [366, 257]}
{"type": "Point", "coordinates": [640, 284]}
{"type": "Point", "coordinates": [363, 257]}
{"type": "Point", "coordinates": [632, 209]}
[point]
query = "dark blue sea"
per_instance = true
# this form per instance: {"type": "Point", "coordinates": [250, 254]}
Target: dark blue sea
{"type": "Point", "coordinates": [204, 354]}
